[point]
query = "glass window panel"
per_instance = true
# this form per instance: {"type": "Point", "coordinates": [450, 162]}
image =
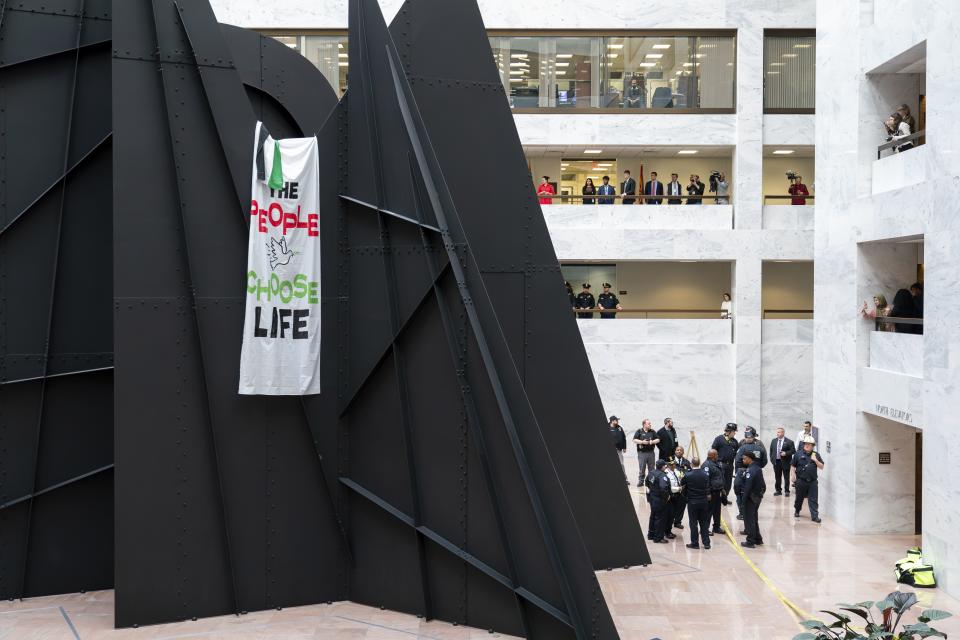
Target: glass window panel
{"type": "Point", "coordinates": [573, 70]}
{"type": "Point", "coordinates": [715, 72]}
{"type": "Point", "coordinates": [789, 77]}
{"type": "Point", "coordinates": [330, 55]}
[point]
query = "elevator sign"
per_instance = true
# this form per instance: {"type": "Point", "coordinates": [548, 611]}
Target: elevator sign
{"type": "Point", "coordinates": [280, 354]}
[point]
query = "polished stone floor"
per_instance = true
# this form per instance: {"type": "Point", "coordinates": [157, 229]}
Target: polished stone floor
{"type": "Point", "coordinates": [685, 594]}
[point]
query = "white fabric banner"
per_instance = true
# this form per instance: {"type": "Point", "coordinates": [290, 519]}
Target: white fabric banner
{"type": "Point", "coordinates": [281, 331]}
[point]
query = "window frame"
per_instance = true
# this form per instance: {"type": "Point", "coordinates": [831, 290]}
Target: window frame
{"type": "Point", "coordinates": [786, 33]}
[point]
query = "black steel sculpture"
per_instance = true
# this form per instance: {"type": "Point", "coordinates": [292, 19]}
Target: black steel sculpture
{"type": "Point", "coordinates": [456, 465]}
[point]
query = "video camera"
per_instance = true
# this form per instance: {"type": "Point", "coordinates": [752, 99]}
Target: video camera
{"type": "Point", "coordinates": [791, 174]}
{"type": "Point", "coordinates": [714, 177]}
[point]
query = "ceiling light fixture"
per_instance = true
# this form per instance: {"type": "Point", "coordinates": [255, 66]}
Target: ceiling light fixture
{"type": "Point", "coordinates": [802, 46]}
{"type": "Point", "coordinates": [647, 64]}
{"type": "Point", "coordinates": [563, 64]}
{"type": "Point", "coordinates": [773, 73]}
{"type": "Point", "coordinates": [564, 55]}
{"type": "Point", "coordinates": [654, 56]}
{"type": "Point", "coordinates": [661, 46]}
{"type": "Point", "coordinates": [614, 46]}
{"type": "Point", "coordinates": [343, 64]}
{"type": "Point", "coordinates": [782, 152]}
{"type": "Point", "coordinates": [789, 55]}
{"type": "Point", "coordinates": [613, 55]}
{"type": "Point", "coordinates": [593, 151]}
{"type": "Point", "coordinates": [687, 152]}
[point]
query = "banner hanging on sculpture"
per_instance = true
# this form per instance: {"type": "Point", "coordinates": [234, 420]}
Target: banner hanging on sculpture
{"type": "Point", "coordinates": [280, 354]}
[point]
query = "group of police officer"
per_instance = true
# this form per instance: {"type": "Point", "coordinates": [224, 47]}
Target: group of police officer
{"type": "Point", "coordinates": [607, 301]}
{"type": "Point", "coordinates": [677, 483]}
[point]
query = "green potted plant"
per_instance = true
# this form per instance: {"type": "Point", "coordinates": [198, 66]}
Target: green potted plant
{"type": "Point", "coordinates": [891, 610]}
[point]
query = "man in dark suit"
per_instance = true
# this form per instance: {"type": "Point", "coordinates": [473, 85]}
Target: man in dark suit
{"type": "Point", "coordinates": [674, 190]}
{"type": "Point", "coordinates": [781, 453]}
{"type": "Point", "coordinates": [628, 188]}
{"type": "Point", "coordinates": [668, 440]}
{"type": "Point", "coordinates": [653, 188]}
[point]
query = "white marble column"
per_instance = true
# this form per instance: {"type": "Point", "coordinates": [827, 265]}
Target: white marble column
{"type": "Point", "coordinates": [748, 181]}
{"type": "Point", "coordinates": [747, 325]}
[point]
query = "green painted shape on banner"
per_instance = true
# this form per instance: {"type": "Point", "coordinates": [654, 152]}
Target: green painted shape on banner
{"type": "Point", "coordinates": [276, 172]}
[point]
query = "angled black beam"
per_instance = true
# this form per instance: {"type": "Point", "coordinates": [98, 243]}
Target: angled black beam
{"type": "Point", "coordinates": [55, 375]}
{"type": "Point", "coordinates": [466, 556]}
{"type": "Point", "coordinates": [404, 325]}
{"type": "Point", "coordinates": [53, 487]}
{"type": "Point", "coordinates": [71, 108]}
{"type": "Point", "coordinates": [46, 56]}
{"type": "Point", "coordinates": [389, 273]}
{"type": "Point", "coordinates": [392, 214]}
{"type": "Point", "coordinates": [57, 182]}
{"type": "Point", "coordinates": [411, 119]}
{"type": "Point", "coordinates": [470, 408]}
{"type": "Point", "coordinates": [185, 239]}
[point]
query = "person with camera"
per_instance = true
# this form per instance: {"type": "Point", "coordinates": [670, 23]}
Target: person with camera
{"type": "Point", "coordinates": [695, 188]}
{"type": "Point", "coordinates": [797, 189]}
{"type": "Point", "coordinates": [720, 186]}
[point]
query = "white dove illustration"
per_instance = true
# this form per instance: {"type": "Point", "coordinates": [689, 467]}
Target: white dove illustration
{"type": "Point", "coordinates": [279, 254]}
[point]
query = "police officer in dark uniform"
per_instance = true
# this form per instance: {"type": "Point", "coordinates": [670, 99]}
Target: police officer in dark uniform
{"type": "Point", "coordinates": [713, 467]}
{"type": "Point", "coordinates": [753, 489]}
{"type": "Point", "coordinates": [683, 465]}
{"type": "Point", "coordinates": [759, 456]}
{"type": "Point", "coordinates": [806, 462]}
{"type": "Point", "coordinates": [607, 300]}
{"type": "Point", "coordinates": [696, 486]}
{"type": "Point", "coordinates": [585, 301]}
{"type": "Point", "coordinates": [658, 496]}
{"type": "Point", "coordinates": [573, 298]}
{"type": "Point", "coordinates": [726, 445]}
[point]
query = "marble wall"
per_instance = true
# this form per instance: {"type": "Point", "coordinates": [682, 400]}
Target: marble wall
{"type": "Point", "coordinates": [621, 217]}
{"type": "Point", "coordinates": [860, 201]}
{"type": "Point", "coordinates": [897, 352]}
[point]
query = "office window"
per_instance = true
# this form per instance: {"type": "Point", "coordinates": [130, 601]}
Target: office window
{"type": "Point", "coordinates": [789, 64]}
{"type": "Point", "coordinates": [617, 72]}
{"type": "Point", "coordinates": [327, 53]}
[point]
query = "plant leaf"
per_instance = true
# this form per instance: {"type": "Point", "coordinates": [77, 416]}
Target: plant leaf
{"type": "Point", "coordinates": [812, 624]}
{"type": "Point", "coordinates": [903, 600]}
{"type": "Point", "coordinates": [838, 616]}
{"type": "Point", "coordinates": [852, 609]}
{"type": "Point", "coordinates": [934, 614]}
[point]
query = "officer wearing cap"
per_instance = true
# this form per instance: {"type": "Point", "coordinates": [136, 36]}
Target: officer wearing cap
{"type": "Point", "coordinates": [753, 489]}
{"type": "Point", "coordinates": [607, 300]}
{"type": "Point", "coordinates": [619, 442]}
{"type": "Point", "coordinates": [758, 456]}
{"type": "Point", "coordinates": [807, 462]}
{"type": "Point", "coordinates": [726, 445]}
{"type": "Point", "coordinates": [585, 301]}
{"type": "Point", "coordinates": [658, 496]}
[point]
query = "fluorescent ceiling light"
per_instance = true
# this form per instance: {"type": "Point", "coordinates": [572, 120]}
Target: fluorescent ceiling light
{"type": "Point", "coordinates": [687, 152]}
{"type": "Point", "coordinates": [340, 45]}
{"type": "Point", "coordinates": [783, 152]}
{"type": "Point", "coordinates": [293, 45]}
{"type": "Point", "coordinates": [802, 46]}
{"type": "Point", "coordinates": [343, 64]}
{"type": "Point", "coordinates": [604, 164]}
{"type": "Point", "coordinates": [688, 64]}
{"type": "Point", "coordinates": [783, 260]}
{"type": "Point", "coordinates": [519, 55]}
{"type": "Point", "coordinates": [517, 72]}
{"type": "Point", "coordinates": [517, 79]}
{"type": "Point", "coordinates": [729, 64]}
{"type": "Point", "coordinates": [707, 46]}
{"type": "Point", "coordinates": [593, 151]}
{"type": "Point", "coordinates": [777, 64]}
{"type": "Point", "coordinates": [661, 46]}
{"type": "Point", "coordinates": [563, 64]}
{"type": "Point", "coordinates": [614, 46]}
{"type": "Point", "coordinates": [773, 73]}
{"type": "Point", "coordinates": [613, 55]}
{"type": "Point", "coordinates": [789, 55]}
{"type": "Point", "coordinates": [519, 64]}
{"type": "Point", "coordinates": [699, 55]}
{"type": "Point", "coordinates": [564, 55]}
{"type": "Point", "coordinates": [654, 56]}
{"type": "Point", "coordinates": [343, 55]}
{"type": "Point", "coordinates": [647, 64]}
{"type": "Point", "coordinates": [679, 73]}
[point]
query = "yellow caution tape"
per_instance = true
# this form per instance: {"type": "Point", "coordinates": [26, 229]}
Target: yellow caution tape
{"type": "Point", "coordinates": [797, 611]}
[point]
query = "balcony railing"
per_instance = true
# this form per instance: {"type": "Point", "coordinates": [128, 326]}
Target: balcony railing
{"type": "Point", "coordinates": [787, 314]}
{"type": "Point", "coordinates": [899, 325]}
{"type": "Point", "coordinates": [778, 198]}
{"type": "Point", "coordinates": [913, 138]}
{"type": "Point", "coordinates": [562, 198]}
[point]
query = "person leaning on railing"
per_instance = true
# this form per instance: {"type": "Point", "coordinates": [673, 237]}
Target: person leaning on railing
{"type": "Point", "coordinates": [588, 190]}
{"type": "Point", "coordinates": [880, 310]}
{"type": "Point", "coordinates": [798, 190]}
{"type": "Point", "coordinates": [606, 189]}
{"type": "Point", "coordinates": [695, 188]}
{"type": "Point", "coordinates": [897, 129]}
{"type": "Point", "coordinates": [904, 307]}
{"type": "Point", "coordinates": [545, 190]}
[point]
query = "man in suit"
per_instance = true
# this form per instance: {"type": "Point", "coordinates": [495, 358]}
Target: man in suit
{"type": "Point", "coordinates": [781, 453]}
{"type": "Point", "coordinates": [668, 440]}
{"type": "Point", "coordinates": [653, 188]}
{"type": "Point", "coordinates": [628, 188]}
{"type": "Point", "coordinates": [606, 189]}
{"type": "Point", "coordinates": [674, 190]}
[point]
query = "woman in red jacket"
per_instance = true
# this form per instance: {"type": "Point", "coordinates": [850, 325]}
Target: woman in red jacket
{"type": "Point", "coordinates": [545, 190]}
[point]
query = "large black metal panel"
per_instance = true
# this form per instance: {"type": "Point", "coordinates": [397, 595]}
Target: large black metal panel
{"type": "Point", "coordinates": [56, 383]}
{"type": "Point", "coordinates": [507, 234]}
{"type": "Point", "coordinates": [244, 519]}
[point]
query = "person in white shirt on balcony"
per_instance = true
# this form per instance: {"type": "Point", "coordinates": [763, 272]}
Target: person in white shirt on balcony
{"type": "Point", "coordinates": [897, 129]}
{"type": "Point", "coordinates": [726, 307]}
